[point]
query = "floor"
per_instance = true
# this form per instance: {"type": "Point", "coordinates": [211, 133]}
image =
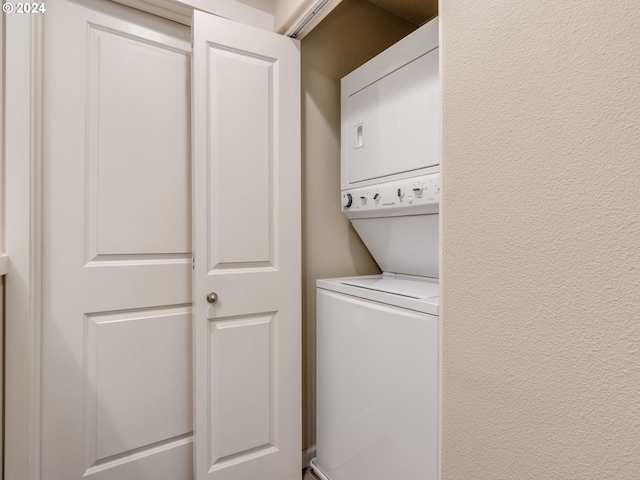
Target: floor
{"type": "Point", "coordinates": [308, 475]}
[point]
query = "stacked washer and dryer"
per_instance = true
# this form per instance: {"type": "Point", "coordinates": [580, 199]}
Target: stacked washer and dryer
{"type": "Point", "coordinates": [378, 335]}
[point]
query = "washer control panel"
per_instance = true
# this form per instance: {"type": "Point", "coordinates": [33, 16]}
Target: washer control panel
{"type": "Point", "coordinates": [411, 196]}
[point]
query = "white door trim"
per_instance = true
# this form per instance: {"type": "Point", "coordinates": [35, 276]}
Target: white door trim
{"type": "Point", "coordinates": [23, 147]}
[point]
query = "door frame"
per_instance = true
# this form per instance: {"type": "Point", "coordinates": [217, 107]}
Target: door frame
{"type": "Point", "coordinates": [23, 241]}
{"type": "Point", "coordinates": [23, 219]}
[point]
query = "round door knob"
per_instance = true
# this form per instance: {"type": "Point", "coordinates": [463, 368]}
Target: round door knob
{"type": "Point", "coordinates": [212, 297]}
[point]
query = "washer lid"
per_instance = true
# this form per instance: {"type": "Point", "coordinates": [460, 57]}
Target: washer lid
{"type": "Point", "coordinates": [407, 287]}
{"type": "Point", "coordinates": [415, 293]}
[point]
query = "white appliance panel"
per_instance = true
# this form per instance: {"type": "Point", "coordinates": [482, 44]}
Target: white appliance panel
{"type": "Point", "coordinates": [393, 124]}
{"type": "Point", "coordinates": [377, 387]}
{"type": "Point", "coordinates": [406, 245]}
{"type": "Point", "coordinates": [411, 196]}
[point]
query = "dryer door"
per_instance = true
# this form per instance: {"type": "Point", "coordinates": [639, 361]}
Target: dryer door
{"type": "Point", "coordinates": [393, 125]}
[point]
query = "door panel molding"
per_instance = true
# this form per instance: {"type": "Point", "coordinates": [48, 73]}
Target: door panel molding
{"type": "Point", "coordinates": [114, 201]}
{"type": "Point", "coordinates": [114, 382]}
{"type": "Point", "coordinates": [250, 431]}
{"type": "Point", "coordinates": [245, 83]}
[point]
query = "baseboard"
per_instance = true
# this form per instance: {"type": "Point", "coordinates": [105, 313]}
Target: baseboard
{"type": "Point", "coordinates": [307, 455]}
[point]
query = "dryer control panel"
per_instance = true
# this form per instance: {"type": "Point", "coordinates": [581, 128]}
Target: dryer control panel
{"type": "Point", "coordinates": [412, 196]}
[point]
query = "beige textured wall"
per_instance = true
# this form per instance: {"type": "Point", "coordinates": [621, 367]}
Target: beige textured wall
{"type": "Point", "coordinates": [541, 239]}
{"type": "Point", "coordinates": [349, 36]}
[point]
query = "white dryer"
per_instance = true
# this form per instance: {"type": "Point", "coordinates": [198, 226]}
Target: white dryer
{"type": "Point", "coordinates": [378, 336]}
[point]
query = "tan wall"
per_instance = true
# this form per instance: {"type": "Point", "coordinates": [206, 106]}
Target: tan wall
{"type": "Point", "coordinates": [541, 240]}
{"type": "Point", "coordinates": [349, 36]}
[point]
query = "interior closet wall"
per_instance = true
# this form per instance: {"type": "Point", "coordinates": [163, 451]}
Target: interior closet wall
{"type": "Point", "coordinates": [349, 36]}
{"type": "Point", "coordinates": [541, 258]}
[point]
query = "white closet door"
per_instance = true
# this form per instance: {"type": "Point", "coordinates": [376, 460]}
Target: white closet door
{"type": "Point", "coordinates": [246, 129]}
{"type": "Point", "coordinates": [116, 333]}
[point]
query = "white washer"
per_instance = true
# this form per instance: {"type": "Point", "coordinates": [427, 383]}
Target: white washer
{"type": "Point", "coordinates": [377, 365]}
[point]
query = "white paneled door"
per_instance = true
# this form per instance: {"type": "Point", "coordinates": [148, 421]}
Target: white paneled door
{"type": "Point", "coordinates": [246, 220]}
{"type": "Point", "coordinates": [116, 291]}
{"type": "Point", "coordinates": [118, 328]}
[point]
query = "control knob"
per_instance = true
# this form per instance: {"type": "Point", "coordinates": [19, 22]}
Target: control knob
{"type": "Point", "coordinates": [347, 200]}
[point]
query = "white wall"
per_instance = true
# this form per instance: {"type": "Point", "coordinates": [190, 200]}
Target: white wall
{"type": "Point", "coordinates": [541, 239]}
{"type": "Point", "coordinates": [264, 5]}
{"type": "Point", "coordinates": [286, 11]}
